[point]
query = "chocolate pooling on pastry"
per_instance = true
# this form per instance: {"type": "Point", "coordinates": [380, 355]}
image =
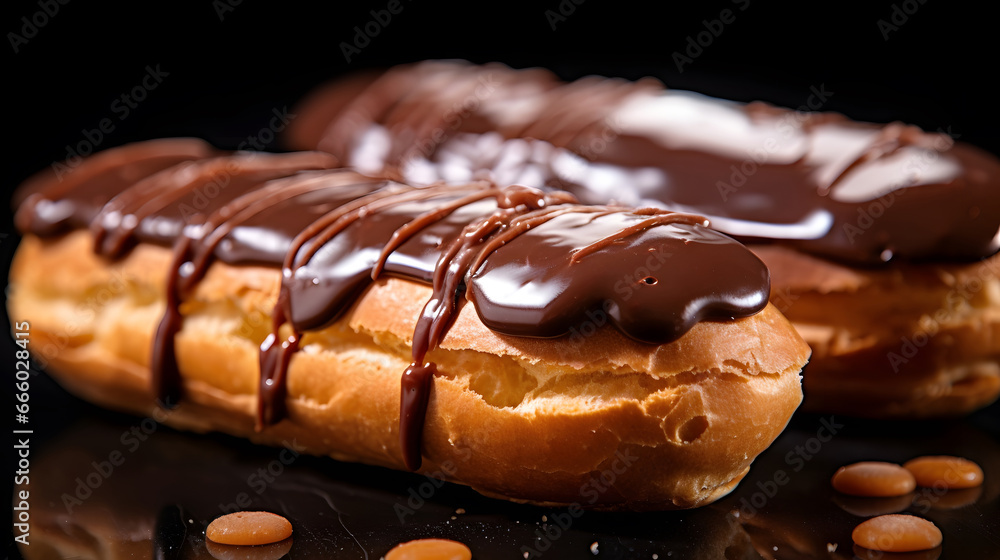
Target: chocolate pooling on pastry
{"type": "Point", "coordinates": [855, 192]}
{"type": "Point", "coordinates": [534, 262]}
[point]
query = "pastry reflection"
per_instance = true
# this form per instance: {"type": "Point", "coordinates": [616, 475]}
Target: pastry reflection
{"type": "Point", "coordinates": [94, 498]}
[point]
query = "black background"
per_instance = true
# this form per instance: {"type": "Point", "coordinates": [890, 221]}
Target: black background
{"type": "Point", "coordinates": [226, 74]}
{"type": "Point", "coordinates": [228, 67]}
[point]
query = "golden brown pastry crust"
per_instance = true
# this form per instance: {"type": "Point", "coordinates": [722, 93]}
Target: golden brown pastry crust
{"type": "Point", "coordinates": [905, 341]}
{"type": "Point", "coordinates": [603, 422]}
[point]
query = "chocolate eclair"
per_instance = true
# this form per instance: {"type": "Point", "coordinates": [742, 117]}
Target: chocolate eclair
{"type": "Point", "coordinates": [506, 337]}
{"type": "Point", "coordinates": [881, 239]}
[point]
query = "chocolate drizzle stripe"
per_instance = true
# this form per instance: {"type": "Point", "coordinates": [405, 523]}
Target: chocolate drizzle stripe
{"type": "Point", "coordinates": [404, 233]}
{"type": "Point", "coordinates": [335, 222]}
{"type": "Point", "coordinates": [52, 203]}
{"type": "Point", "coordinates": [664, 218]}
{"type": "Point", "coordinates": [420, 125]}
{"type": "Point", "coordinates": [115, 226]}
{"type": "Point", "coordinates": [120, 217]}
{"type": "Point", "coordinates": [524, 223]}
{"type": "Point", "coordinates": [275, 358]}
{"type": "Point", "coordinates": [54, 188]}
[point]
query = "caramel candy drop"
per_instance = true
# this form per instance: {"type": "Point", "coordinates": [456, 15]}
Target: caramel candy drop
{"type": "Point", "coordinates": [873, 479]}
{"type": "Point", "coordinates": [945, 472]}
{"type": "Point", "coordinates": [897, 533]}
{"type": "Point", "coordinates": [430, 549]}
{"type": "Point", "coordinates": [249, 528]}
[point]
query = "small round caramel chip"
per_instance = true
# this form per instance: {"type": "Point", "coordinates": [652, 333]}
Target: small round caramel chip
{"type": "Point", "coordinates": [430, 549]}
{"type": "Point", "coordinates": [945, 472]}
{"type": "Point", "coordinates": [897, 533]}
{"type": "Point", "coordinates": [873, 479]}
{"type": "Point", "coordinates": [249, 528]}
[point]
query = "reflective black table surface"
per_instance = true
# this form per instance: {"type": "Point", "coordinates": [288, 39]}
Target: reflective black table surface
{"type": "Point", "coordinates": [104, 485]}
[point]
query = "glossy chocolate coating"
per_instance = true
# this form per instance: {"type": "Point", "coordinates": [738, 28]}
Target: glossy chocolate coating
{"type": "Point", "coordinates": [45, 209]}
{"type": "Point", "coordinates": [856, 192]}
{"type": "Point", "coordinates": [535, 262]}
{"type": "Point", "coordinates": [651, 286]}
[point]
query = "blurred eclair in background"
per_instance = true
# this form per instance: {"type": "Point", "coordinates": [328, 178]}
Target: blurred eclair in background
{"type": "Point", "coordinates": [881, 239]}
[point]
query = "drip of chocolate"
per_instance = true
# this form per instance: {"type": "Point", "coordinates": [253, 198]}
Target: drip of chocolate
{"type": "Point", "coordinates": [535, 262]}
{"type": "Point", "coordinates": [193, 255]}
{"type": "Point", "coordinates": [819, 182]}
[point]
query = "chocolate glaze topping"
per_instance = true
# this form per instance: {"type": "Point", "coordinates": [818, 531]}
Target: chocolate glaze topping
{"type": "Point", "coordinates": [59, 203]}
{"type": "Point", "coordinates": [534, 262]}
{"type": "Point", "coordinates": [856, 192]}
